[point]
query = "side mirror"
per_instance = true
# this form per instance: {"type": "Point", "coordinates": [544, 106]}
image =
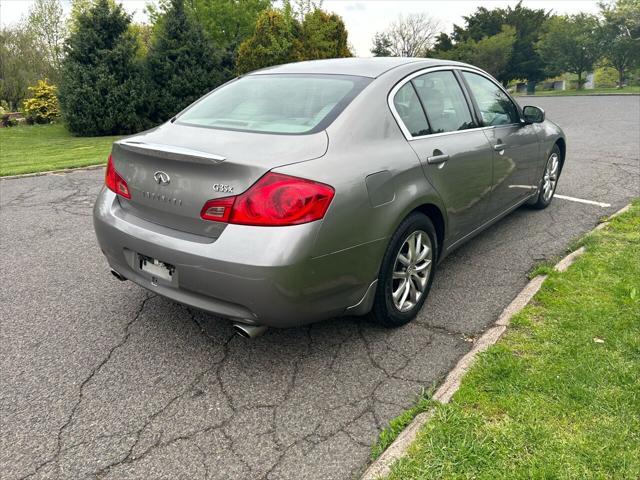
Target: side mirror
{"type": "Point", "coordinates": [533, 114]}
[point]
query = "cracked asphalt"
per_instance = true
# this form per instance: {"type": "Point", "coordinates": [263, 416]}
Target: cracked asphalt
{"type": "Point", "coordinates": [100, 379]}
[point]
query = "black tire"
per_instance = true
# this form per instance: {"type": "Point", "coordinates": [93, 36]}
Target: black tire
{"type": "Point", "coordinates": [384, 311]}
{"type": "Point", "coordinates": [539, 202]}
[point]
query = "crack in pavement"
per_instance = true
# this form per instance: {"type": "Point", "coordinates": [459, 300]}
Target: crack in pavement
{"type": "Point", "coordinates": [130, 457]}
{"type": "Point", "coordinates": [84, 383]}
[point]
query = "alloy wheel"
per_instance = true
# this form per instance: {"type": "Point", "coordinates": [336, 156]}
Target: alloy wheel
{"type": "Point", "coordinates": [550, 178]}
{"type": "Point", "coordinates": [411, 270]}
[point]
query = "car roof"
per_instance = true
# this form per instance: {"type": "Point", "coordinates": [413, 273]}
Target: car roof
{"type": "Point", "coordinates": [371, 67]}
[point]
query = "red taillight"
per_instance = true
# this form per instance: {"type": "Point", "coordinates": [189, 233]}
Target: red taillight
{"type": "Point", "coordinates": [218, 210]}
{"type": "Point", "coordinates": [114, 181]}
{"type": "Point", "coordinates": [275, 200]}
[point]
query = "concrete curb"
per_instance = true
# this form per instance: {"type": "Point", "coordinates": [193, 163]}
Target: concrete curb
{"type": "Point", "coordinates": [52, 172]}
{"type": "Point", "coordinates": [382, 466]}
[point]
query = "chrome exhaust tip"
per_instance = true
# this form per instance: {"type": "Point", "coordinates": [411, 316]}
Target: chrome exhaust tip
{"type": "Point", "coordinates": [249, 331]}
{"type": "Point", "coordinates": [118, 276]}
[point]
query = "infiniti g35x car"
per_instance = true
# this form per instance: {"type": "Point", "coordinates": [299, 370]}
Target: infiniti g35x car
{"type": "Point", "coordinates": [324, 188]}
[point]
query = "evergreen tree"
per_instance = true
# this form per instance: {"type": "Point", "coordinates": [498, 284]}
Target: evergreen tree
{"type": "Point", "coordinates": [381, 45]}
{"type": "Point", "coordinates": [324, 35]}
{"type": "Point", "coordinates": [279, 37]}
{"type": "Point", "coordinates": [100, 88]}
{"type": "Point", "coordinates": [181, 65]}
{"type": "Point", "coordinates": [226, 23]}
{"type": "Point", "coordinates": [443, 44]}
{"type": "Point", "coordinates": [274, 42]}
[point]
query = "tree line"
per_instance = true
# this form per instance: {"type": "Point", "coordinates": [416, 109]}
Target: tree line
{"type": "Point", "coordinates": [521, 43]}
{"type": "Point", "coordinates": [116, 77]}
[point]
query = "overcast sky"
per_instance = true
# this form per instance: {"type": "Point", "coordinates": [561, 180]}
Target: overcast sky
{"type": "Point", "coordinates": [364, 17]}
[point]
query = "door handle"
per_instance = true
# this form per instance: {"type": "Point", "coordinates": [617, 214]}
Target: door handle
{"type": "Point", "coordinates": [436, 159]}
{"type": "Point", "coordinates": [498, 147]}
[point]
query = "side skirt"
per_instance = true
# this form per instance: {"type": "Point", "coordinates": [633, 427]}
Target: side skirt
{"type": "Point", "coordinates": [488, 223]}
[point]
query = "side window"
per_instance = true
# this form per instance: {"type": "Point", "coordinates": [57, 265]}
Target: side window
{"type": "Point", "coordinates": [444, 102]}
{"type": "Point", "coordinates": [410, 111]}
{"type": "Point", "coordinates": [495, 106]}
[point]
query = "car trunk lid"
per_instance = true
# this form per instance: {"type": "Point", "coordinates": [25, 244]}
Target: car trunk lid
{"type": "Point", "coordinates": [173, 170]}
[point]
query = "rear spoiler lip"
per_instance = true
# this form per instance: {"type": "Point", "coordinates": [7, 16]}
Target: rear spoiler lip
{"type": "Point", "coordinates": [170, 152]}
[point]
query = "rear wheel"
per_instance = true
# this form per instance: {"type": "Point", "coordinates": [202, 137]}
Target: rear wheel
{"type": "Point", "coordinates": [407, 272]}
{"type": "Point", "coordinates": [549, 181]}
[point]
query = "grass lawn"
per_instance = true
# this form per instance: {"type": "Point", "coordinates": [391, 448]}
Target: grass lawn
{"type": "Point", "coordinates": [40, 148]}
{"type": "Point", "coordinates": [594, 91]}
{"type": "Point", "coordinates": [559, 395]}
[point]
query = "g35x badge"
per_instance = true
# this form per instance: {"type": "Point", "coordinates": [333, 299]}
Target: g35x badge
{"type": "Point", "coordinates": [222, 188]}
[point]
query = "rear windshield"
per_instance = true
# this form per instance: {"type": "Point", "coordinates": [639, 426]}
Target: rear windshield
{"type": "Point", "coordinates": [287, 104]}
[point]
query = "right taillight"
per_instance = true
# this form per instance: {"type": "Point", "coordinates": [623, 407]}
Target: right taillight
{"type": "Point", "coordinates": [114, 181]}
{"type": "Point", "coordinates": [274, 200]}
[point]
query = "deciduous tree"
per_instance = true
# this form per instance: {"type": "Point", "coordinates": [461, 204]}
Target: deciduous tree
{"type": "Point", "coordinates": [46, 22]}
{"type": "Point", "coordinates": [571, 44]}
{"type": "Point", "coordinates": [412, 35]}
{"type": "Point", "coordinates": [528, 23]}
{"type": "Point", "coordinates": [21, 64]}
{"type": "Point", "coordinates": [621, 35]}
{"type": "Point", "coordinates": [491, 53]}
{"type": "Point", "coordinates": [301, 8]}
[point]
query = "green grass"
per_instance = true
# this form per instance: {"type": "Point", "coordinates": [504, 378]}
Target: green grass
{"type": "Point", "coordinates": [40, 148]}
{"type": "Point", "coordinates": [398, 424]}
{"type": "Point", "coordinates": [558, 396]}
{"type": "Point", "coordinates": [584, 91]}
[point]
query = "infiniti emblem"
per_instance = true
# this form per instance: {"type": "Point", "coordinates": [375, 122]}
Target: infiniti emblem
{"type": "Point", "coordinates": [161, 178]}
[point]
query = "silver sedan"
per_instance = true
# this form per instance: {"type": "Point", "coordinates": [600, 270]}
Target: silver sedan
{"type": "Point", "coordinates": [324, 188]}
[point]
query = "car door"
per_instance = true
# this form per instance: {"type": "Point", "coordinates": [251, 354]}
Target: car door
{"type": "Point", "coordinates": [455, 154]}
{"type": "Point", "coordinates": [515, 145]}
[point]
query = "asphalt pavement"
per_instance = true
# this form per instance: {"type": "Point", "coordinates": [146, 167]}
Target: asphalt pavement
{"type": "Point", "coordinates": [100, 379]}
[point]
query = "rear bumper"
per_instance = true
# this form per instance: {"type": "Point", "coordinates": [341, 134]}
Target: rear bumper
{"type": "Point", "coordinates": [257, 275]}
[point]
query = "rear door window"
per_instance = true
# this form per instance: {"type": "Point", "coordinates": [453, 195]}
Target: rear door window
{"type": "Point", "coordinates": [410, 111]}
{"type": "Point", "coordinates": [446, 107]}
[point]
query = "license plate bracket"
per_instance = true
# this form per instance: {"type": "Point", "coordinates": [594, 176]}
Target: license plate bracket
{"type": "Point", "coordinates": [156, 268]}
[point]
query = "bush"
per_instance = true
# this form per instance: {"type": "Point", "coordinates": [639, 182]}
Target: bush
{"type": "Point", "coordinates": [633, 77]}
{"type": "Point", "coordinates": [43, 106]}
{"type": "Point", "coordinates": [606, 77]}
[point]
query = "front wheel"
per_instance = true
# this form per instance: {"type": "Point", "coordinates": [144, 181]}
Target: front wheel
{"type": "Point", "coordinates": [406, 273]}
{"type": "Point", "coordinates": [549, 181]}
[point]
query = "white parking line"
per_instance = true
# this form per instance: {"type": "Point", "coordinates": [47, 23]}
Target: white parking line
{"type": "Point", "coordinates": [582, 200]}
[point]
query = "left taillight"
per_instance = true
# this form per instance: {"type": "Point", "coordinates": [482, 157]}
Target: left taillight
{"type": "Point", "coordinates": [115, 182]}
